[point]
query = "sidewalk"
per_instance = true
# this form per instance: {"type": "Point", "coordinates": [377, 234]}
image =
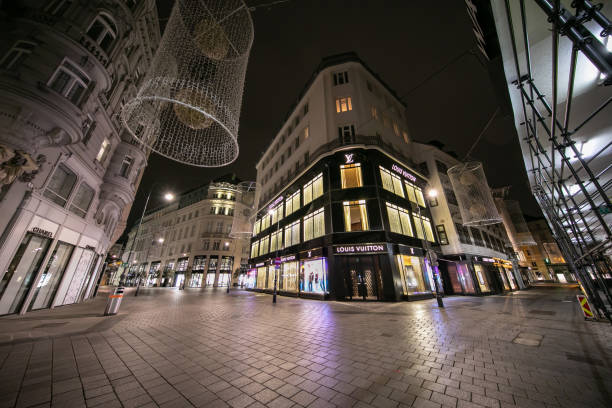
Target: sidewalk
{"type": "Point", "coordinates": [205, 348]}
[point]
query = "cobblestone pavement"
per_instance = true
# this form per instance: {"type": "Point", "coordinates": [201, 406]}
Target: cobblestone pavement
{"type": "Point", "coordinates": [206, 348]}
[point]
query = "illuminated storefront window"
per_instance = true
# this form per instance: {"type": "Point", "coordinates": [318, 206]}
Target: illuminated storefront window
{"type": "Point", "coordinates": [276, 240]}
{"type": "Point", "coordinates": [313, 276]}
{"type": "Point", "coordinates": [391, 182]}
{"type": "Point", "coordinates": [289, 276]}
{"type": "Point", "coordinates": [292, 234]}
{"type": "Point", "coordinates": [355, 216]}
{"type": "Point", "coordinates": [313, 189]}
{"type": "Point", "coordinates": [277, 213]}
{"type": "Point", "coordinates": [264, 244]}
{"type": "Point", "coordinates": [272, 272]}
{"type": "Point", "coordinates": [415, 194]}
{"type": "Point", "coordinates": [423, 227]}
{"type": "Point", "coordinates": [292, 204]}
{"type": "Point", "coordinates": [255, 249]}
{"type": "Point", "coordinates": [314, 224]}
{"type": "Point", "coordinates": [257, 227]}
{"type": "Point", "coordinates": [399, 220]}
{"type": "Point", "coordinates": [251, 279]}
{"type": "Point", "coordinates": [350, 175]}
{"type": "Point", "coordinates": [261, 277]}
{"type": "Point", "coordinates": [482, 278]}
{"type": "Point", "coordinates": [411, 271]}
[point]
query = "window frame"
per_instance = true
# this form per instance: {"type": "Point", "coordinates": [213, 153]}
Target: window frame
{"type": "Point", "coordinates": [20, 54]}
{"type": "Point", "coordinates": [363, 215]}
{"type": "Point", "coordinates": [113, 31]}
{"type": "Point", "coordinates": [75, 78]}
{"type": "Point", "coordinates": [344, 168]}
{"type": "Point", "coordinates": [344, 104]}
{"type": "Point", "coordinates": [76, 193]}
{"type": "Point", "coordinates": [54, 193]}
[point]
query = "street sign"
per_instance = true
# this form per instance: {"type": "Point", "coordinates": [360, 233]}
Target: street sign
{"type": "Point", "coordinates": [277, 261]}
{"type": "Point", "coordinates": [585, 307]}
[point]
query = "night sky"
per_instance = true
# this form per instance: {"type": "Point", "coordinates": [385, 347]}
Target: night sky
{"type": "Point", "coordinates": [405, 42]}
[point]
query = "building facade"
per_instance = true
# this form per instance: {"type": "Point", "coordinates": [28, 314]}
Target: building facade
{"type": "Point", "coordinates": [342, 210]}
{"type": "Point", "coordinates": [68, 171]}
{"type": "Point", "coordinates": [474, 260]}
{"type": "Point", "coordinates": [190, 243]}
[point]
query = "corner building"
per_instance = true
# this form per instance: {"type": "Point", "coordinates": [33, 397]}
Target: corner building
{"type": "Point", "coordinates": [69, 172]}
{"type": "Point", "coordinates": [342, 212]}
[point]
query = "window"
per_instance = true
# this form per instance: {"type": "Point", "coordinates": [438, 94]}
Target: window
{"type": "Point", "coordinates": [355, 216]}
{"type": "Point", "coordinates": [58, 7]}
{"type": "Point", "coordinates": [292, 204]}
{"type": "Point", "coordinates": [255, 249]}
{"type": "Point", "coordinates": [277, 213]}
{"type": "Point", "coordinates": [415, 194]}
{"type": "Point", "coordinates": [216, 245]}
{"type": "Point", "coordinates": [276, 240]}
{"type": "Point", "coordinates": [126, 166]}
{"type": "Point", "coordinates": [423, 227]}
{"type": "Point", "coordinates": [219, 227]}
{"type": "Point", "coordinates": [103, 152]}
{"type": "Point", "coordinates": [69, 81]}
{"type": "Point", "coordinates": [103, 31]}
{"type": "Point", "coordinates": [405, 136]}
{"type": "Point", "coordinates": [442, 234]}
{"type": "Point", "coordinates": [396, 129]}
{"type": "Point", "coordinates": [399, 220]}
{"type": "Point", "coordinates": [391, 182]}
{"type": "Point", "coordinates": [346, 134]}
{"type": "Point", "coordinates": [433, 201]}
{"type": "Point", "coordinates": [350, 175]}
{"type": "Point", "coordinates": [374, 112]}
{"type": "Point", "coordinates": [344, 105]}
{"type": "Point", "coordinates": [265, 223]}
{"type": "Point", "coordinates": [59, 188]}
{"type": "Point", "coordinates": [82, 200]}
{"type": "Point", "coordinates": [463, 234]}
{"type": "Point", "coordinates": [478, 240]}
{"type": "Point", "coordinates": [88, 127]}
{"type": "Point", "coordinates": [206, 245]}
{"type": "Point", "coordinates": [313, 189]}
{"type": "Point", "coordinates": [305, 108]}
{"type": "Point", "coordinates": [292, 234]}
{"type": "Point", "coordinates": [264, 244]}
{"type": "Point", "coordinates": [442, 168]}
{"type": "Point", "coordinates": [257, 227]}
{"type": "Point", "coordinates": [369, 86]}
{"type": "Point", "coordinates": [340, 78]}
{"type": "Point", "coordinates": [314, 225]}
{"type": "Point", "coordinates": [450, 196]}
{"type": "Point", "coordinates": [17, 54]}
{"type": "Point", "coordinates": [306, 133]}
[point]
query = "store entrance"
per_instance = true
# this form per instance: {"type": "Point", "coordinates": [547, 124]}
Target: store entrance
{"type": "Point", "coordinates": [362, 278]}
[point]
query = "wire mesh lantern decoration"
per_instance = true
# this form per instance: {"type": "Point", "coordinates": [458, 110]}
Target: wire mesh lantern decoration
{"type": "Point", "coordinates": [188, 107]}
{"type": "Point", "coordinates": [244, 211]}
{"type": "Point", "coordinates": [473, 194]}
{"type": "Point", "coordinates": [523, 235]}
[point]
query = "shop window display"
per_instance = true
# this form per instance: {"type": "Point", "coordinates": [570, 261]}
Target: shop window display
{"type": "Point", "coordinates": [482, 279]}
{"type": "Point", "coordinates": [17, 279]}
{"type": "Point", "coordinates": [355, 216]}
{"type": "Point", "coordinates": [210, 278]}
{"type": "Point", "coordinates": [272, 271]}
{"type": "Point", "coordinates": [289, 276]}
{"type": "Point", "coordinates": [251, 279]}
{"type": "Point", "coordinates": [313, 276]}
{"type": "Point", "coordinates": [261, 278]}
{"type": "Point", "coordinates": [414, 280]}
{"type": "Point", "coordinates": [51, 277]}
{"type": "Point", "coordinates": [350, 175]}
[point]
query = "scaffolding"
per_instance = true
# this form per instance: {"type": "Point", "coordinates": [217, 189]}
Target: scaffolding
{"type": "Point", "coordinates": [572, 190]}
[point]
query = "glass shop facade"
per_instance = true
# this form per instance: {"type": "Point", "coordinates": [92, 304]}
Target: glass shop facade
{"type": "Point", "coordinates": [477, 275]}
{"type": "Point", "coordinates": [351, 227]}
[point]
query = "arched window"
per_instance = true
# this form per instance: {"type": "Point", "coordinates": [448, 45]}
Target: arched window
{"type": "Point", "coordinates": [103, 31]}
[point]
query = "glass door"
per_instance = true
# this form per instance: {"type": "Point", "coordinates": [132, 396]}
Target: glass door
{"type": "Point", "coordinates": [17, 280]}
{"type": "Point", "coordinates": [51, 277]}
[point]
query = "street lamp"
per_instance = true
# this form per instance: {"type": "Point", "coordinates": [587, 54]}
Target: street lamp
{"type": "Point", "coordinates": [168, 197]}
{"type": "Point", "coordinates": [431, 193]}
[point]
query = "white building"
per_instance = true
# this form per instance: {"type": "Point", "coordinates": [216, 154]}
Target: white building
{"type": "Point", "coordinates": [190, 242]}
{"type": "Point", "coordinates": [474, 259]}
{"type": "Point", "coordinates": [68, 171]}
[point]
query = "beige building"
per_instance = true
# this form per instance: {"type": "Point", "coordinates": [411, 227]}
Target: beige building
{"type": "Point", "coordinates": [190, 241]}
{"type": "Point", "coordinates": [68, 172]}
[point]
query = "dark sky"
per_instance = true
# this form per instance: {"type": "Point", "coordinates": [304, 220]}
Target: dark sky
{"type": "Point", "coordinates": [404, 42]}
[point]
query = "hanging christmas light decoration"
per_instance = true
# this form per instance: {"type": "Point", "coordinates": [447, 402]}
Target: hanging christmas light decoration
{"type": "Point", "coordinates": [188, 106]}
{"type": "Point", "coordinates": [473, 194]}
{"type": "Point", "coordinates": [244, 210]}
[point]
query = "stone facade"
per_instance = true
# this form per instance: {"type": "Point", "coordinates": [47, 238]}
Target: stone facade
{"type": "Point", "coordinates": [69, 172]}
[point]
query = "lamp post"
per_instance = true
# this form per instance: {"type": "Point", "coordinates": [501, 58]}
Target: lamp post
{"type": "Point", "coordinates": [167, 197]}
{"type": "Point", "coordinates": [276, 266]}
{"type": "Point", "coordinates": [431, 193]}
{"type": "Point", "coordinates": [229, 280]}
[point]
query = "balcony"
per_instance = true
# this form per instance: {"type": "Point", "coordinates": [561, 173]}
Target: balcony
{"type": "Point", "coordinates": [206, 234]}
{"type": "Point", "coordinates": [94, 49]}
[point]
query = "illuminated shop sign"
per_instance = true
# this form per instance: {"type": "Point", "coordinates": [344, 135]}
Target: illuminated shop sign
{"type": "Point", "coordinates": [311, 253]}
{"type": "Point", "coordinates": [288, 258]}
{"type": "Point", "coordinates": [403, 172]}
{"type": "Point", "coordinates": [260, 264]}
{"type": "Point", "coordinates": [349, 158]}
{"type": "Point", "coordinates": [360, 249]}
{"type": "Point", "coordinates": [44, 233]}
{"type": "Point", "coordinates": [483, 259]}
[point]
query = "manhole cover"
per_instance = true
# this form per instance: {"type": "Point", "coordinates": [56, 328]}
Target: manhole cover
{"type": "Point", "coordinates": [543, 312]}
{"type": "Point", "coordinates": [528, 339]}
